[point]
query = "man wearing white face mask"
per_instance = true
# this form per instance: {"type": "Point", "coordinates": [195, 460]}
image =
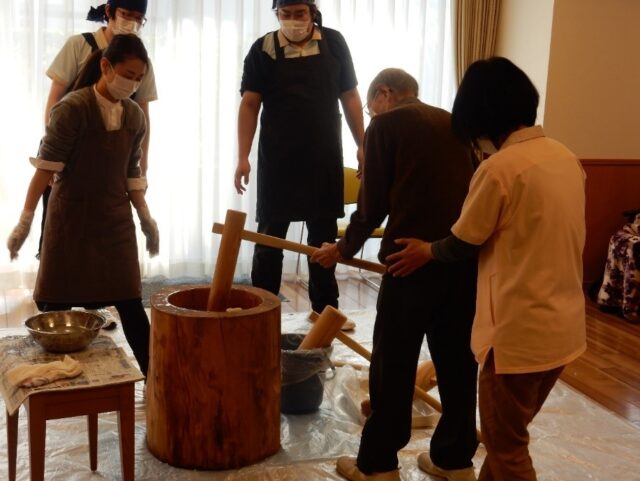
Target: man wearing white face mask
{"type": "Point", "coordinates": [298, 75]}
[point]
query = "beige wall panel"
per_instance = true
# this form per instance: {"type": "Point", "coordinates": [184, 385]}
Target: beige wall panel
{"type": "Point", "coordinates": [524, 37]}
{"type": "Point", "coordinates": [593, 86]}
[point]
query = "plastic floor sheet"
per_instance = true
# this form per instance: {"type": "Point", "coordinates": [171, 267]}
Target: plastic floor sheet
{"type": "Point", "coordinates": [573, 439]}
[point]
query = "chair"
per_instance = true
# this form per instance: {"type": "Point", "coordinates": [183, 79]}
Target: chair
{"type": "Point", "coordinates": [351, 188]}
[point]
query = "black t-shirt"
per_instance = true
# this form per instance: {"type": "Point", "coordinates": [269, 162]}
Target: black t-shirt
{"type": "Point", "coordinates": [259, 66]}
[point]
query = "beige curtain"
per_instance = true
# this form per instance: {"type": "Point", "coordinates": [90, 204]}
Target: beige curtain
{"type": "Point", "coordinates": [476, 26]}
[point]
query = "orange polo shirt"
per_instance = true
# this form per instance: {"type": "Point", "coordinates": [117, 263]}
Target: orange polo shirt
{"type": "Point", "coordinates": [526, 208]}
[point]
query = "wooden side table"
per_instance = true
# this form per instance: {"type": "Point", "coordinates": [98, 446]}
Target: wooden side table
{"type": "Point", "coordinates": [76, 402]}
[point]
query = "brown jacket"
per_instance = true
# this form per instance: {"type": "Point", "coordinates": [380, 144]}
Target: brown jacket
{"type": "Point", "coordinates": [416, 172]}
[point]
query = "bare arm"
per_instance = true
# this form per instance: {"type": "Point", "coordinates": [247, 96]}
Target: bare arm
{"type": "Point", "coordinates": [247, 124]}
{"type": "Point", "coordinates": [56, 92]}
{"type": "Point", "coordinates": [352, 107]}
{"type": "Point", "coordinates": [38, 184]}
{"type": "Point", "coordinates": [144, 162]}
{"type": "Point", "coordinates": [137, 199]}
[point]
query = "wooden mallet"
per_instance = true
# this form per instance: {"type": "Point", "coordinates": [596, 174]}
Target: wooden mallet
{"type": "Point", "coordinates": [325, 328]}
{"type": "Point", "coordinates": [226, 262]}
{"type": "Point", "coordinates": [278, 243]}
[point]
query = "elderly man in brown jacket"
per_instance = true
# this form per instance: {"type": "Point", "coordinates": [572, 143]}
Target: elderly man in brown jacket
{"type": "Point", "coordinates": [418, 174]}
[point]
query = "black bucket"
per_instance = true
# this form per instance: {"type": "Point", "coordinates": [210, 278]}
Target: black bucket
{"type": "Point", "coordinates": [303, 375]}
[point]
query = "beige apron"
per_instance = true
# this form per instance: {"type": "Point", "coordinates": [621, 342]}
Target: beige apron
{"type": "Point", "coordinates": [90, 252]}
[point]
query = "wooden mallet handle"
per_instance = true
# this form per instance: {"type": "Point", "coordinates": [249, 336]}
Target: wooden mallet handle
{"type": "Point", "coordinates": [426, 375]}
{"type": "Point", "coordinates": [279, 243]}
{"type": "Point", "coordinates": [358, 348]}
{"type": "Point", "coordinates": [226, 262]}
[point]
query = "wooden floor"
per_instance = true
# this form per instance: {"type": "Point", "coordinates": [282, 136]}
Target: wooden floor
{"type": "Point", "coordinates": [608, 373]}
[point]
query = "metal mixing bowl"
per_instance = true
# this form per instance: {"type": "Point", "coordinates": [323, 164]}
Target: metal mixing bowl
{"type": "Point", "coordinates": [64, 331]}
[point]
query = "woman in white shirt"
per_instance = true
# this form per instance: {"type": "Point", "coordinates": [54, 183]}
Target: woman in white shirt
{"type": "Point", "coordinates": [92, 150]}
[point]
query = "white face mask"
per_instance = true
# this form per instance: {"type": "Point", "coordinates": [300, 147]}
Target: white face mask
{"type": "Point", "coordinates": [486, 145]}
{"type": "Point", "coordinates": [121, 87]}
{"type": "Point", "coordinates": [122, 26]}
{"type": "Point", "coordinates": [295, 30]}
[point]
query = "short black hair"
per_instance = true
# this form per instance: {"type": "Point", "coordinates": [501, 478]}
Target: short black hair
{"type": "Point", "coordinates": [495, 98]}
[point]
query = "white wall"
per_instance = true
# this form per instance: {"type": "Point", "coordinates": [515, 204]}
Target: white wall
{"type": "Point", "coordinates": [593, 90]}
{"type": "Point", "coordinates": [524, 37]}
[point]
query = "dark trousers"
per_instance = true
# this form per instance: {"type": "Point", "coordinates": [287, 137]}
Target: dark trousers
{"type": "Point", "coordinates": [508, 403]}
{"type": "Point", "coordinates": [133, 317]}
{"type": "Point", "coordinates": [437, 301]}
{"type": "Point", "coordinates": [266, 271]}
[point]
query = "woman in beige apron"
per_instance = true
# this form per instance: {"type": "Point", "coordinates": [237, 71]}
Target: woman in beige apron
{"type": "Point", "coordinates": [92, 150]}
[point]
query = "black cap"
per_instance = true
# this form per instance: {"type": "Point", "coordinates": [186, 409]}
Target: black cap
{"type": "Point", "coordinates": [284, 3]}
{"type": "Point", "coordinates": [133, 5]}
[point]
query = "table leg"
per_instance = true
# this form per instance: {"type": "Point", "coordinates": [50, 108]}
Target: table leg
{"type": "Point", "coordinates": [37, 435]}
{"type": "Point", "coordinates": [12, 442]}
{"type": "Point", "coordinates": [92, 425]}
{"type": "Point", "coordinates": [126, 424]}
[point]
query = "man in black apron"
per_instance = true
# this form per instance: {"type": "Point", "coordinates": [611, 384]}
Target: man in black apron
{"type": "Point", "coordinates": [297, 75]}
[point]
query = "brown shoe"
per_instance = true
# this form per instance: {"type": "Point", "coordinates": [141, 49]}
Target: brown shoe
{"type": "Point", "coordinates": [347, 467]}
{"type": "Point", "coordinates": [465, 474]}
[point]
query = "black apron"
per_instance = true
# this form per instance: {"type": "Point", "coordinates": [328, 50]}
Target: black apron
{"type": "Point", "coordinates": [300, 150]}
{"type": "Point", "coordinates": [90, 252]}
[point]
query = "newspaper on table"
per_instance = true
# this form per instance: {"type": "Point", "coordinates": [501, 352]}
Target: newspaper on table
{"type": "Point", "coordinates": [103, 363]}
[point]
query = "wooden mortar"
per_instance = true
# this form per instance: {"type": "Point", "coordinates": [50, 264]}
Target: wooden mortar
{"type": "Point", "coordinates": [213, 387]}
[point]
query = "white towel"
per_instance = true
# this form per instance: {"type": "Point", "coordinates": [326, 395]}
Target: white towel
{"type": "Point", "coordinates": [32, 375]}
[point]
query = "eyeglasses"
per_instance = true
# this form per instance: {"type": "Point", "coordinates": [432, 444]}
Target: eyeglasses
{"type": "Point", "coordinates": [132, 16]}
{"type": "Point", "coordinates": [366, 109]}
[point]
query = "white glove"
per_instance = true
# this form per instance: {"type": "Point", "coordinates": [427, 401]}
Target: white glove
{"type": "Point", "coordinates": [19, 233]}
{"type": "Point", "coordinates": [150, 230]}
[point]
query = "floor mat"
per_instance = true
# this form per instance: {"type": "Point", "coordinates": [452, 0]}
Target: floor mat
{"type": "Point", "coordinates": [573, 438]}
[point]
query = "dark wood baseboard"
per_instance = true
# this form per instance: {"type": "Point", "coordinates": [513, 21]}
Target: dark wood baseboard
{"type": "Point", "coordinates": [613, 186]}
